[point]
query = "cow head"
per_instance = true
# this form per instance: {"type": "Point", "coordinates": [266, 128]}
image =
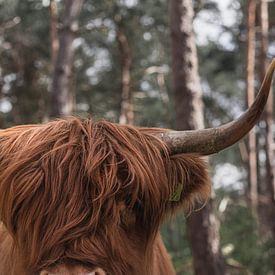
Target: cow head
{"type": "Point", "coordinates": [92, 194]}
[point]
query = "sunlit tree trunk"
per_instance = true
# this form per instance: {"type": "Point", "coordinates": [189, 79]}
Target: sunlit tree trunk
{"type": "Point", "coordinates": [202, 226]}
{"type": "Point", "coordinates": [62, 96]}
{"type": "Point", "coordinates": [126, 107]}
{"type": "Point", "coordinates": [266, 187]}
{"type": "Point", "coordinates": [250, 95]}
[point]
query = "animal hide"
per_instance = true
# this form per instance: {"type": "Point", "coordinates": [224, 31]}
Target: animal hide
{"type": "Point", "coordinates": [93, 194]}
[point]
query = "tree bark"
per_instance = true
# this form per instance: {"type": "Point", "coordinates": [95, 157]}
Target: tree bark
{"type": "Point", "coordinates": [62, 96]}
{"type": "Point", "coordinates": [186, 83]}
{"type": "Point", "coordinates": [126, 108]}
{"type": "Point", "coordinates": [250, 96]}
{"type": "Point", "coordinates": [266, 187]}
{"type": "Point", "coordinates": [202, 226]}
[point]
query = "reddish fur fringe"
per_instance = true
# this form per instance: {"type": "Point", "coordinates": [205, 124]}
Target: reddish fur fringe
{"type": "Point", "coordinates": [76, 191]}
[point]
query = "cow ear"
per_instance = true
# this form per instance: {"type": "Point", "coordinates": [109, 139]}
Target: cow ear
{"type": "Point", "coordinates": [189, 181]}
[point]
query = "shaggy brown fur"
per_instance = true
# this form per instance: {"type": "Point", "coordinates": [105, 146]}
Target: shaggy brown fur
{"type": "Point", "coordinates": [91, 194]}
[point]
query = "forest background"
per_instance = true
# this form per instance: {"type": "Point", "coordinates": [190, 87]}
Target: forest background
{"type": "Point", "coordinates": [117, 59]}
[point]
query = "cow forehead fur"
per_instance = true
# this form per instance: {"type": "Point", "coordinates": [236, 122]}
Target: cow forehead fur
{"type": "Point", "coordinates": [94, 193]}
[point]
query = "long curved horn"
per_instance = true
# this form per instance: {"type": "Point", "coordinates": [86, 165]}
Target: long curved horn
{"type": "Point", "coordinates": [213, 140]}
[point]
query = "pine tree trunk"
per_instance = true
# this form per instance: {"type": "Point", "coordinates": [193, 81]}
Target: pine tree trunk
{"type": "Point", "coordinates": [62, 96]}
{"type": "Point", "coordinates": [266, 187]}
{"type": "Point", "coordinates": [126, 109]}
{"type": "Point", "coordinates": [250, 95]}
{"type": "Point", "coordinates": [202, 226]}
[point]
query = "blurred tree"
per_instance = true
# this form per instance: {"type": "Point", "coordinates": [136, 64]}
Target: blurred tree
{"type": "Point", "coordinates": [126, 113]}
{"type": "Point", "coordinates": [102, 60]}
{"type": "Point", "coordinates": [62, 95]}
{"type": "Point", "coordinates": [24, 67]}
{"type": "Point", "coordinates": [53, 31]}
{"type": "Point", "coordinates": [266, 187]}
{"type": "Point", "coordinates": [25, 78]}
{"type": "Point", "coordinates": [244, 251]}
{"type": "Point", "coordinates": [250, 95]}
{"type": "Point", "coordinates": [202, 226]}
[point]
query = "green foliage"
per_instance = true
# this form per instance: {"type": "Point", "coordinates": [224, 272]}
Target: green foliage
{"type": "Point", "coordinates": [246, 251]}
{"type": "Point", "coordinates": [175, 239]}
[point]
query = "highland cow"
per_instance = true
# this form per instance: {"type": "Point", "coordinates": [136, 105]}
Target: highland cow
{"type": "Point", "coordinates": [88, 197]}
